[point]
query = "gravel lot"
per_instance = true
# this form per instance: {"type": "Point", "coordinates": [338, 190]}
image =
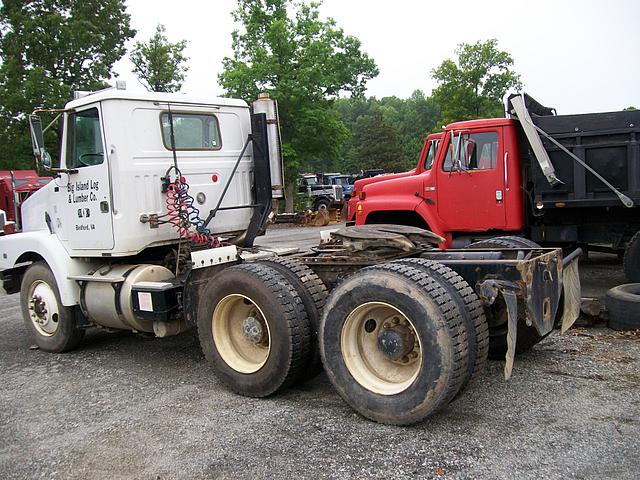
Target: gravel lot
{"type": "Point", "coordinates": [125, 406]}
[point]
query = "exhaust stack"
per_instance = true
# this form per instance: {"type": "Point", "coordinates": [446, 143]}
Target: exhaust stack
{"type": "Point", "coordinates": [266, 105]}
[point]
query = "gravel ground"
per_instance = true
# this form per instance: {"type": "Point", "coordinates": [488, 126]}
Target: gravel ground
{"type": "Point", "coordinates": [125, 406]}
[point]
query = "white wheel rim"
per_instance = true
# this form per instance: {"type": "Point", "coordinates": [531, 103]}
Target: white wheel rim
{"type": "Point", "coordinates": [371, 368]}
{"type": "Point", "coordinates": [230, 317]}
{"type": "Point", "coordinates": [43, 309]}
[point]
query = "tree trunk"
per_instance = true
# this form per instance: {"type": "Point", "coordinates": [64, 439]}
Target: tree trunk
{"type": "Point", "coordinates": [289, 193]}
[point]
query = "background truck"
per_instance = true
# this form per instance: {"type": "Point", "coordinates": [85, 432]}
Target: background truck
{"type": "Point", "coordinates": [556, 179]}
{"type": "Point", "coordinates": [15, 187]}
{"type": "Point", "coordinates": [148, 227]}
{"type": "Point", "coordinates": [323, 192]}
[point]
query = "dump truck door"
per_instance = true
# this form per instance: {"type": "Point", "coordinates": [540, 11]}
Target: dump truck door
{"type": "Point", "coordinates": [470, 181]}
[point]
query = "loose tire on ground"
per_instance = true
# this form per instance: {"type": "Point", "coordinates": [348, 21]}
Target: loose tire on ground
{"type": "Point", "coordinates": [527, 336]}
{"type": "Point", "coordinates": [631, 260]}
{"type": "Point", "coordinates": [393, 344]}
{"type": "Point", "coordinates": [51, 324]}
{"type": "Point", "coordinates": [471, 309]}
{"type": "Point", "coordinates": [313, 294]}
{"type": "Point", "coordinates": [253, 329]}
{"type": "Point", "coordinates": [623, 304]}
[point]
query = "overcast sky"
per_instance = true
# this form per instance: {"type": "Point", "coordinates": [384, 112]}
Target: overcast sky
{"type": "Point", "coordinates": [576, 56]}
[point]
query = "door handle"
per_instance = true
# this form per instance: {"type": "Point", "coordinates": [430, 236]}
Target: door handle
{"type": "Point", "coordinates": [104, 206]}
{"type": "Point", "coordinates": [506, 178]}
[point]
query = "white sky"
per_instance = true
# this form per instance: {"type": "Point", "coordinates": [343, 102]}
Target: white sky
{"type": "Point", "coordinates": [576, 56]}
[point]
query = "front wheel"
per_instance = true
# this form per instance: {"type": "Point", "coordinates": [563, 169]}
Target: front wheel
{"type": "Point", "coordinates": [322, 204]}
{"type": "Point", "coordinates": [51, 324]}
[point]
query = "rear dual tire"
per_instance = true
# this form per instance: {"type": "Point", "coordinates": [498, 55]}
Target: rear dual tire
{"type": "Point", "coordinates": [254, 330]}
{"type": "Point", "coordinates": [393, 343]}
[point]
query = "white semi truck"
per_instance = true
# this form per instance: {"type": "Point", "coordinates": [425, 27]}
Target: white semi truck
{"type": "Point", "coordinates": [157, 199]}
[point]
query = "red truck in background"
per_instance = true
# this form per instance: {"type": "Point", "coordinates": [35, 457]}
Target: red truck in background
{"type": "Point", "coordinates": [15, 187]}
{"type": "Point", "coordinates": [556, 179]}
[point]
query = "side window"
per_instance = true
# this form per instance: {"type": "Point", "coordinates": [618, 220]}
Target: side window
{"type": "Point", "coordinates": [478, 151]}
{"type": "Point", "coordinates": [431, 154]}
{"type": "Point", "coordinates": [191, 131]}
{"type": "Point", "coordinates": [84, 139]}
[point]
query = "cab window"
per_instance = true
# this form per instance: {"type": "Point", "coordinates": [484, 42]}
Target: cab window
{"type": "Point", "coordinates": [84, 139]}
{"type": "Point", "coordinates": [476, 151]}
{"type": "Point", "coordinates": [191, 131]}
{"type": "Point", "coordinates": [431, 154]}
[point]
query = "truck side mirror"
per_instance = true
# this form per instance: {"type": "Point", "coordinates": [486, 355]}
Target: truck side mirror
{"type": "Point", "coordinates": [37, 137]}
{"type": "Point", "coordinates": [46, 160]}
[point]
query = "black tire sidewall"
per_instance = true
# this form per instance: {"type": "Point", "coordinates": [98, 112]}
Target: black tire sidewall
{"type": "Point", "coordinates": [427, 391]}
{"type": "Point", "coordinates": [271, 376]}
{"type": "Point", "coordinates": [313, 314]}
{"type": "Point", "coordinates": [623, 304]}
{"type": "Point", "coordinates": [67, 336]}
{"type": "Point", "coordinates": [632, 259]}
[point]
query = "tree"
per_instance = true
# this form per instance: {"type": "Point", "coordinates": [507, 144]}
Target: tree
{"type": "Point", "coordinates": [50, 48]}
{"type": "Point", "coordinates": [629, 109]}
{"type": "Point", "coordinates": [473, 86]}
{"type": "Point", "coordinates": [304, 63]}
{"type": "Point", "coordinates": [407, 120]}
{"type": "Point", "coordinates": [159, 64]}
{"type": "Point", "coordinates": [376, 145]}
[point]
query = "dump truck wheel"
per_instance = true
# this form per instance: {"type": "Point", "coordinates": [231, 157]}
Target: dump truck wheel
{"type": "Point", "coordinates": [623, 303]}
{"type": "Point", "coordinates": [471, 309]}
{"type": "Point", "coordinates": [253, 329]}
{"type": "Point", "coordinates": [511, 241]}
{"type": "Point", "coordinates": [52, 325]}
{"type": "Point", "coordinates": [313, 294]}
{"type": "Point", "coordinates": [527, 336]}
{"type": "Point", "coordinates": [393, 343]}
{"type": "Point", "coordinates": [632, 259]}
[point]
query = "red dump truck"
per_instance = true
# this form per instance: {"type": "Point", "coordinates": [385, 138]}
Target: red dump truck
{"type": "Point", "coordinates": [555, 179]}
{"type": "Point", "coordinates": [15, 187]}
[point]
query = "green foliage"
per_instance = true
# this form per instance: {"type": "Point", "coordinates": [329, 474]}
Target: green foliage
{"type": "Point", "coordinates": [304, 63]}
{"type": "Point", "coordinates": [50, 48]}
{"type": "Point", "coordinates": [159, 64]}
{"type": "Point", "coordinates": [630, 108]}
{"type": "Point", "coordinates": [402, 123]}
{"type": "Point", "coordinates": [376, 144]}
{"type": "Point", "coordinates": [473, 86]}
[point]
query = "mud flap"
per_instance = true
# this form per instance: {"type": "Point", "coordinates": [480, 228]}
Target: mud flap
{"type": "Point", "coordinates": [511, 300]}
{"type": "Point", "coordinates": [571, 292]}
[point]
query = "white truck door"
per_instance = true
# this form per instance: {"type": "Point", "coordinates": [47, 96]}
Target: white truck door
{"type": "Point", "coordinates": [87, 216]}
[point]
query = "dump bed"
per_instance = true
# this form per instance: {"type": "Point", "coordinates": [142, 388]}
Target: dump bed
{"type": "Point", "coordinates": [607, 142]}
